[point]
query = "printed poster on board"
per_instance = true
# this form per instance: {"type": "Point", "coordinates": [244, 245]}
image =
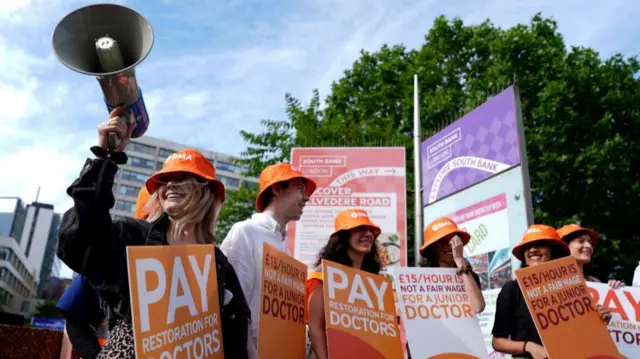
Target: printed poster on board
{"type": "Point", "coordinates": [477, 146]}
{"type": "Point", "coordinates": [437, 314]}
{"type": "Point", "coordinates": [174, 301]}
{"type": "Point", "coordinates": [624, 304]}
{"type": "Point", "coordinates": [564, 311]}
{"type": "Point", "coordinates": [369, 178]}
{"type": "Point", "coordinates": [282, 306]}
{"type": "Point", "coordinates": [360, 314]}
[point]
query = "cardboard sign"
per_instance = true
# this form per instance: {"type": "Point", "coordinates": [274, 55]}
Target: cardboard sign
{"type": "Point", "coordinates": [360, 314]}
{"type": "Point", "coordinates": [282, 329]}
{"type": "Point", "coordinates": [437, 314]}
{"type": "Point", "coordinates": [624, 304]}
{"type": "Point", "coordinates": [174, 302]}
{"type": "Point", "coordinates": [564, 312]}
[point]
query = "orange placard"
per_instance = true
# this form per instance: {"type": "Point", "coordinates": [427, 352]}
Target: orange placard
{"type": "Point", "coordinates": [563, 311]}
{"type": "Point", "coordinates": [281, 327]}
{"type": "Point", "coordinates": [360, 314]}
{"type": "Point", "coordinates": [174, 302]}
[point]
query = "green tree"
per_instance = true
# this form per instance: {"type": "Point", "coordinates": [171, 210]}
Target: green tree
{"type": "Point", "coordinates": [47, 309]}
{"type": "Point", "coordinates": [580, 113]}
{"type": "Point", "coordinates": [238, 206]}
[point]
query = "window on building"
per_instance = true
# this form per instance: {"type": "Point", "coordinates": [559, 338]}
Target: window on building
{"type": "Point", "coordinates": [25, 307]}
{"type": "Point", "coordinates": [165, 152]}
{"type": "Point", "coordinates": [159, 165]}
{"type": "Point", "coordinates": [4, 253]}
{"type": "Point", "coordinates": [229, 167]}
{"type": "Point", "coordinates": [141, 162]}
{"type": "Point", "coordinates": [250, 185]}
{"type": "Point", "coordinates": [229, 181]}
{"type": "Point", "coordinates": [134, 176]}
{"type": "Point", "coordinates": [142, 148]}
{"type": "Point", "coordinates": [126, 206]}
{"type": "Point", "coordinates": [130, 191]}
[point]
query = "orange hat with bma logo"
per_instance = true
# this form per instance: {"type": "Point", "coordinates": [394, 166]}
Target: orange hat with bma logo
{"type": "Point", "coordinates": [143, 197]}
{"type": "Point", "coordinates": [354, 218]}
{"type": "Point", "coordinates": [281, 172]}
{"type": "Point", "coordinates": [542, 234]}
{"type": "Point", "coordinates": [441, 228]}
{"type": "Point", "coordinates": [569, 229]}
{"type": "Point", "coordinates": [188, 161]}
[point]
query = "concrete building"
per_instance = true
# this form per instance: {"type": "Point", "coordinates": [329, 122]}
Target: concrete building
{"type": "Point", "coordinates": [28, 240]}
{"type": "Point", "coordinates": [147, 155]}
{"type": "Point", "coordinates": [12, 215]}
{"type": "Point", "coordinates": [39, 240]}
{"type": "Point", "coordinates": [18, 280]}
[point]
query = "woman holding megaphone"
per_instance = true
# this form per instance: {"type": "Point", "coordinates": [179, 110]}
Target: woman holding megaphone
{"type": "Point", "coordinates": [514, 331]}
{"type": "Point", "coordinates": [185, 201]}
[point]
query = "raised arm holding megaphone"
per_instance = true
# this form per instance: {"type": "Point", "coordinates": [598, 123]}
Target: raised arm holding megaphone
{"type": "Point", "coordinates": [108, 41]}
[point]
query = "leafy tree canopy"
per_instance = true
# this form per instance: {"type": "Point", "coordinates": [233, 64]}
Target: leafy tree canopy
{"type": "Point", "coordinates": [580, 113]}
{"type": "Point", "coordinates": [238, 206]}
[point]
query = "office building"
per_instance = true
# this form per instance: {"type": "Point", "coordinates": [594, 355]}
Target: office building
{"type": "Point", "coordinates": [147, 155]}
{"type": "Point", "coordinates": [28, 240]}
{"type": "Point", "coordinates": [39, 240]}
{"type": "Point", "coordinates": [55, 287]}
{"type": "Point", "coordinates": [12, 215]}
{"type": "Point", "coordinates": [18, 281]}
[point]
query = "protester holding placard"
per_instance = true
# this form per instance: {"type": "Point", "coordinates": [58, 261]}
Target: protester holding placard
{"type": "Point", "coordinates": [443, 248]}
{"type": "Point", "coordinates": [353, 244]}
{"type": "Point", "coordinates": [80, 305]}
{"type": "Point", "coordinates": [514, 331]}
{"type": "Point", "coordinates": [284, 192]}
{"type": "Point", "coordinates": [185, 202]}
{"type": "Point", "coordinates": [582, 242]}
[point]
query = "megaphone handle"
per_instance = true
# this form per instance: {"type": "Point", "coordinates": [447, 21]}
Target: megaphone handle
{"type": "Point", "coordinates": [114, 140]}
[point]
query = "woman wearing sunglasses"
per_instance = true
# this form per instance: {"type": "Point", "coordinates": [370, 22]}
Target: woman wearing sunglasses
{"type": "Point", "coordinates": [185, 201]}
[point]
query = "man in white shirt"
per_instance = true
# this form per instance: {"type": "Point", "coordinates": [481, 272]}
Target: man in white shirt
{"type": "Point", "coordinates": [284, 192]}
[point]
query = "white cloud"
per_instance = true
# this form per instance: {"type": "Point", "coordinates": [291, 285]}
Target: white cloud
{"type": "Point", "coordinates": [220, 66]}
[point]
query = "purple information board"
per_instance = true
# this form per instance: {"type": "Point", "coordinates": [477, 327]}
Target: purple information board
{"type": "Point", "coordinates": [479, 145]}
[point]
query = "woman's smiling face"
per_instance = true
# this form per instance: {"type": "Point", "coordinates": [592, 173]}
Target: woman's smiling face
{"type": "Point", "coordinates": [581, 248]}
{"type": "Point", "coordinates": [537, 253]}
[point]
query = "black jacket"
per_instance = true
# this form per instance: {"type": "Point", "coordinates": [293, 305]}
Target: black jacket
{"type": "Point", "coordinates": [93, 245]}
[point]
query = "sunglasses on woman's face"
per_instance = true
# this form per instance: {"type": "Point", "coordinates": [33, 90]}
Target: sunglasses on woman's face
{"type": "Point", "coordinates": [179, 177]}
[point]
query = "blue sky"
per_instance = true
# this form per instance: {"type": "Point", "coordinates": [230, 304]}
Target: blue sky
{"type": "Point", "coordinates": [220, 66]}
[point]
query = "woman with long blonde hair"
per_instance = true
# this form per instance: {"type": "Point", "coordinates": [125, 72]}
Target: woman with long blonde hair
{"type": "Point", "coordinates": [183, 208]}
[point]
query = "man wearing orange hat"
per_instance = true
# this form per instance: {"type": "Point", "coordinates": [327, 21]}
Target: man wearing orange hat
{"type": "Point", "coordinates": [284, 192]}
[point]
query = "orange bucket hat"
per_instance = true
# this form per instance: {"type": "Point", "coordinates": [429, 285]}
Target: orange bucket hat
{"type": "Point", "coordinates": [440, 228]}
{"type": "Point", "coordinates": [539, 233]}
{"type": "Point", "coordinates": [568, 229]}
{"type": "Point", "coordinates": [354, 218]}
{"type": "Point", "coordinates": [280, 172]}
{"type": "Point", "coordinates": [141, 202]}
{"type": "Point", "coordinates": [188, 161]}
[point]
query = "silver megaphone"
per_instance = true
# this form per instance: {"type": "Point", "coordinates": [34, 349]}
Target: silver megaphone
{"type": "Point", "coordinates": [108, 41]}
